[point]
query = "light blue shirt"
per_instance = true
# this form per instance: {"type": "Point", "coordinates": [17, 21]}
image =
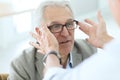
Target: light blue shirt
{"type": "Point", "coordinates": [69, 62]}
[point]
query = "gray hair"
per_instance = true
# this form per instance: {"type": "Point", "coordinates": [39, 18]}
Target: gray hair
{"type": "Point", "coordinates": [40, 10]}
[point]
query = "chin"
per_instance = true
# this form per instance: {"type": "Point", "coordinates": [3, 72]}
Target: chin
{"type": "Point", "coordinates": [65, 50]}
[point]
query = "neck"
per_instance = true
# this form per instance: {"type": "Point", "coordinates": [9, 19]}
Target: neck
{"type": "Point", "coordinates": [64, 60]}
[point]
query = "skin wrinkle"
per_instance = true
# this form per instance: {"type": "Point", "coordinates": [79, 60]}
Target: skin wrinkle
{"type": "Point", "coordinates": [62, 17]}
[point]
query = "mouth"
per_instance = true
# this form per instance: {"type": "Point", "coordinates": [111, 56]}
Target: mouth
{"type": "Point", "coordinates": [64, 42]}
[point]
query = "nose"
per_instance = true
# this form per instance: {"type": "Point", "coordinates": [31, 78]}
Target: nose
{"type": "Point", "coordinates": [65, 31]}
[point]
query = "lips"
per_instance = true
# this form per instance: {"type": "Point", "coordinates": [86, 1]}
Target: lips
{"type": "Point", "coordinates": [63, 42]}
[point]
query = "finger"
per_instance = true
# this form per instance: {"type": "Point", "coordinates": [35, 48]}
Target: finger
{"type": "Point", "coordinates": [35, 45]}
{"type": "Point", "coordinates": [37, 30]}
{"type": "Point", "coordinates": [101, 22]}
{"type": "Point", "coordinates": [90, 22]}
{"type": "Point", "coordinates": [34, 35]}
{"type": "Point", "coordinates": [45, 29]}
{"type": "Point", "coordinates": [100, 18]}
{"type": "Point", "coordinates": [88, 40]}
{"type": "Point", "coordinates": [92, 33]}
{"type": "Point", "coordinates": [40, 51]}
{"type": "Point", "coordinates": [84, 27]}
{"type": "Point", "coordinates": [46, 33]}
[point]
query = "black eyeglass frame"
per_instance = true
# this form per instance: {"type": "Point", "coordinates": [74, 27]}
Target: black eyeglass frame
{"type": "Point", "coordinates": [76, 22]}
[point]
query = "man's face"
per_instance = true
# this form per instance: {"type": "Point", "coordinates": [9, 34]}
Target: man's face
{"type": "Point", "coordinates": [61, 15]}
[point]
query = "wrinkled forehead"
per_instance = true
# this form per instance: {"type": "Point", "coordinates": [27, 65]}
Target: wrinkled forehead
{"type": "Point", "coordinates": [57, 14]}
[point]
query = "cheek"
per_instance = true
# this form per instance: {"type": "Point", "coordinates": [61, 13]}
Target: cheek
{"type": "Point", "coordinates": [57, 36]}
{"type": "Point", "coordinates": [71, 34]}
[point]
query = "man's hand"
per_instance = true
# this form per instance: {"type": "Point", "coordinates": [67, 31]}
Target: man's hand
{"type": "Point", "coordinates": [97, 33]}
{"type": "Point", "coordinates": [46, 43]}
{"type": "Point", "coordinates": [46, 40]}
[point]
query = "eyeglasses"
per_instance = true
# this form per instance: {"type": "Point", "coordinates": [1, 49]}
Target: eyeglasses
{"type": "Point", "coordinates": [70, 25]}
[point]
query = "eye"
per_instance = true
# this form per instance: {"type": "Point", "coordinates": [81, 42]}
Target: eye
{"type": "Point", "coordinates": [56, 26]}
{"type": "Point", "coordinates": [70, 24]}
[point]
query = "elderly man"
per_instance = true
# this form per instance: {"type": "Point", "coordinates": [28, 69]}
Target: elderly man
{"type": "Point", "coordinates": [56, 16]}
{"type": "Point", "coordinates": [103, 66]}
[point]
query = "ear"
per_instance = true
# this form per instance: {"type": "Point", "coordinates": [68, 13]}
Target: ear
{"type": "Point", "coordinates": [37, 30]}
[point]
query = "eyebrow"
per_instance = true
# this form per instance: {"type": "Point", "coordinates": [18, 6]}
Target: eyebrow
{"type": "Point", "coordinates": [56, 22]}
